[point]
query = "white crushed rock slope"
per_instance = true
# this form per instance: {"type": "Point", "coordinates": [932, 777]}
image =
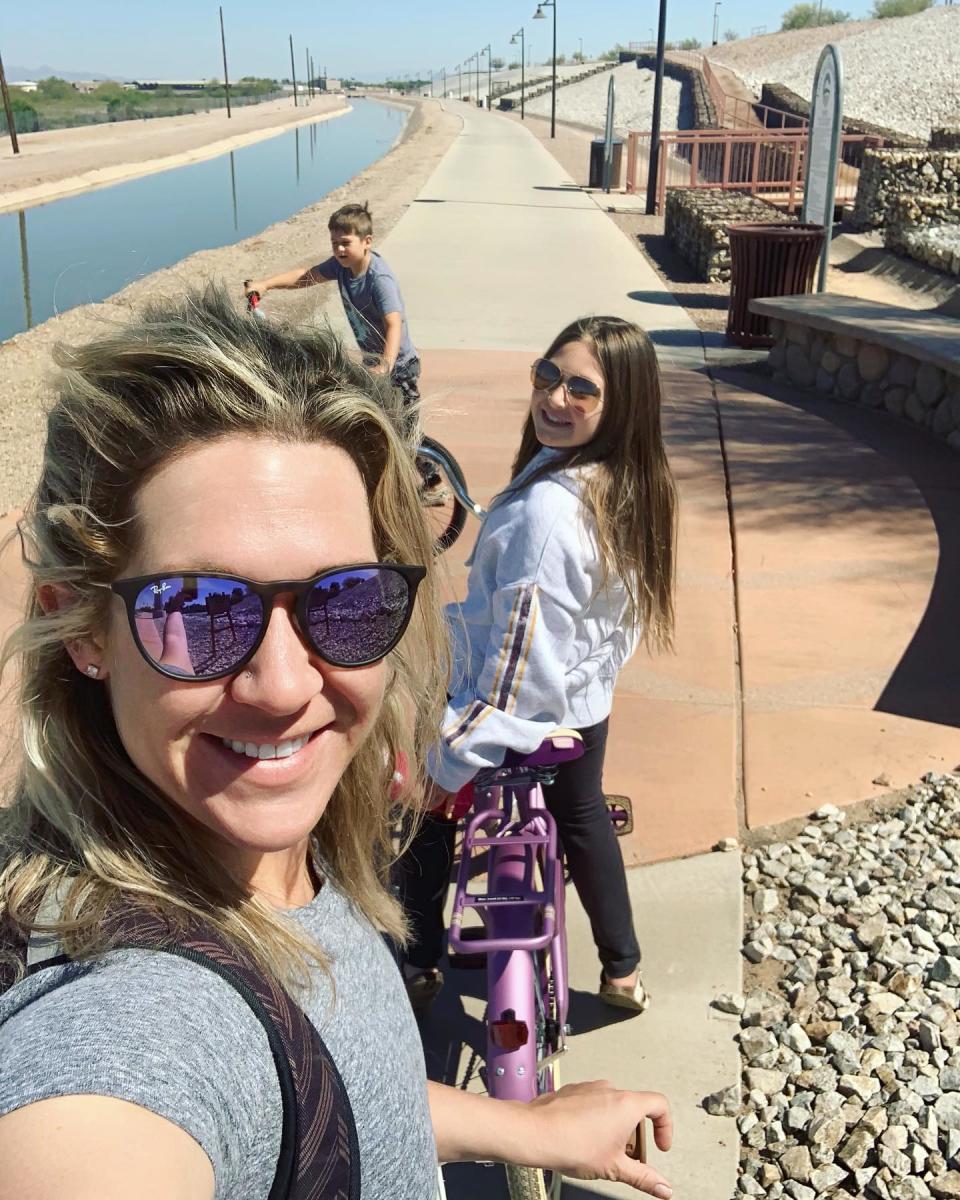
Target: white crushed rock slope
{"type": "Point", "coordinates": [586, 102]}
{"type": "Point", "coordinates": [903, 73]}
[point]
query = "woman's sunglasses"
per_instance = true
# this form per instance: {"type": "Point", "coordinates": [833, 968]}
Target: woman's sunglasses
{"type": "Point", "coordinates": [582, 394]}
{"type": "Point", "coordinates": [201, 627]}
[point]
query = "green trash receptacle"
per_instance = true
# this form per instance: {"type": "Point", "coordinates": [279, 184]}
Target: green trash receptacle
{"type": "Point", "coordinates": [779, 259]}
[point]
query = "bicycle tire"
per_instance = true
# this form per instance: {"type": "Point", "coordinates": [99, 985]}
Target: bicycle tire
{"type": "Point", "coordinates": [458, 515]}
{"type": "Point", "coordinates": [528, 1183]}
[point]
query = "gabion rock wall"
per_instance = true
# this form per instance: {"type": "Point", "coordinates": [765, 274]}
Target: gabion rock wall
{"type": "Point", "coordinates": [887, 175]}
{"type": "Point", "coordinates": [696, 222]}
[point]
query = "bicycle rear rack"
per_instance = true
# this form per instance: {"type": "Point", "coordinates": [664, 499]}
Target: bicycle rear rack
{"type": "Point", "coordinates": [507, 836]}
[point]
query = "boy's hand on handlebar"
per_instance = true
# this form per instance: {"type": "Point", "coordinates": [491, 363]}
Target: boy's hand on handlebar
{"type": "Point", "coordinates": [584, 1129]}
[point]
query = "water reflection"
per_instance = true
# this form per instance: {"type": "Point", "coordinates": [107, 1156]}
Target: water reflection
{"type": "Point", "coordinates": [86, 247]}
{"type": "Point", "coordinates": [233, 190]}
{"type": "Point", "coordinates": [25, 269]}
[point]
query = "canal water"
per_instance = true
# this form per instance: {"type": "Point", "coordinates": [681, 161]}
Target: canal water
{"type": "Point", "coordinates": [86, 247]}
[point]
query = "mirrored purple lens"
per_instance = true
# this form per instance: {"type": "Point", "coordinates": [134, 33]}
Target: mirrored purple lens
{"type": "Point", "coordinates": [356, 616]}
{"type": "Point", "coordinates": [197, 625]}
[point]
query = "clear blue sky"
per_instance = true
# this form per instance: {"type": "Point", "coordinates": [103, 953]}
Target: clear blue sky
{"type": "Point", "coordinates": [368, 39]}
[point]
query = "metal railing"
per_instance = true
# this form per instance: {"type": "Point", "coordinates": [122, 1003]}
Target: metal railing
{"type": "Point", "coordinates": [762, 162]}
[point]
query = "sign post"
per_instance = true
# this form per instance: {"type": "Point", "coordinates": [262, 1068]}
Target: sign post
{"type": "Point", "coordinates": [823, 150]}
{"type": "Point", "coordinates": [608, 136]}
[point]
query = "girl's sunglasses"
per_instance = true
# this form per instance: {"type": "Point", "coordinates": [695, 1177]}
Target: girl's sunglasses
{"type": "Point", "coordinates": [201, 627]}
{"type": "Point", "coordinates": [582, 394]}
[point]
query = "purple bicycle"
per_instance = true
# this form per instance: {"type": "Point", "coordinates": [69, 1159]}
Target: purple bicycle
{"type": "Point", "coordinates": [522, 932]}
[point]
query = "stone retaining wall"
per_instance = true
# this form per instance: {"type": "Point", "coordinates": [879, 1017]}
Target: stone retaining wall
{"type": "Point", "coordinates": [860, 372]}
{"type": "Point", "coordinates": [695, 224]}
{"type": "Point", "coordinates": [927, 229]}
{"type": "Point", "coordinates": [777, 95]}
{"type": "Point", "coordinates": [945, 138]}
{"type": "Point", "coordinates": [694, 86]}
{"type": "Point", "coordinates": [887, 175]}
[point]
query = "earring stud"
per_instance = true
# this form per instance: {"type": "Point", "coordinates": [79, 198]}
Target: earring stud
{"type": "Point", "coordinates": [93, 671]}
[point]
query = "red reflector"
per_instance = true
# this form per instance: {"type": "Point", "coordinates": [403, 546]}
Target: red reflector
{"type": "Point", "coordinates": [509, 1035]}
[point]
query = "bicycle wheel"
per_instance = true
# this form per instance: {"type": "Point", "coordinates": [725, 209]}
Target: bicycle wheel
{"type": "Point", "coordinates": [442, 480]}
{"type": "Point", "coordinates": [533, 1183]}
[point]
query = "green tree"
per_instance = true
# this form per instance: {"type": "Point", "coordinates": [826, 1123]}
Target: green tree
{"type": "Point", "coordinates": [55, 88]}
{"type": "Point", "coordinates": [808, 16]}
{"type": "Point", "coordinates": [690, 43]}
{"type": "Point", "coordinates": [125, 107]}
{"type": "Point", "coordinates": [110, 90]}
{"type": "Point", "coordinates": [561, 59]}
{"type": "Point", "coordinates": [899, 8]}
{"type": "Point", "coordinates": [514, 66]}
{"type": "Point", "coordinates": [497, 64]}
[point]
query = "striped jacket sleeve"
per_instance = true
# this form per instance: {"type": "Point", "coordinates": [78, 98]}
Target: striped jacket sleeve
{"type": "Point", "coordinates": [520, 694]}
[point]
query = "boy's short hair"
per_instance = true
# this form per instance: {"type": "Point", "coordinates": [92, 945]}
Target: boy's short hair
{"type": "Point", "coordinates": [352, 218]}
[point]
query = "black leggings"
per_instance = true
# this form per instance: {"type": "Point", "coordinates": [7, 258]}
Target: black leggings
{"type": "Point", "coordinates": [576, 801]}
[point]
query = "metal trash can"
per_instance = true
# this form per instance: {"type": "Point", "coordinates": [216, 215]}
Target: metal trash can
{"type": "Point", "coordinates": [596, 162]}
{"type": "Point", "coordinates": [779, 259]}
{"type": "Point", "coordinates": [506, 103]}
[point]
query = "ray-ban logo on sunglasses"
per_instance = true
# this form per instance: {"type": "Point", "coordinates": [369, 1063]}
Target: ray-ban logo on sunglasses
{"type": "Point", "coordinates": [159, 588]}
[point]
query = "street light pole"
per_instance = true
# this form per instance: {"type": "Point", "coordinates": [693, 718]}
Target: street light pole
{"type": "Point", "coordinates": [489, 55]}
{"type": "Point", "coordinates": [657, 106]}
{"type": "Point", "coordinates": [523, 79]}
{"type": "Point", "coordinates": [459, 69]}
{"type": "Point", "coordinates": [539, 15]}
{"type": "Point", "coordinates": [716, 20]}
{"type": "Point", "coordinates": [477, 65]}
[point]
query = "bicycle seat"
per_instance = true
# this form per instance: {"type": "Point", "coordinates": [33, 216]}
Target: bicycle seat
{"type": "Point", "coordinates": [563, 745]}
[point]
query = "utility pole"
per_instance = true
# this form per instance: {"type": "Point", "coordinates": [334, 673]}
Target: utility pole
{"type": "Point", "coordinates": [489, 55]}
{"type": "Point", "coordinates": [8, 109]}
{"type": "Point", "coordinates": [716, 20]}
{"type": "Point", "coordinates": [523, 80]}
{"type": "Point", "coordinates": [657, 107]}
{"type": "Point", "coordinates": [293, 73]}
{"type": "Point", "coordinates": [306, 59]}
{"type": "Point", "coordinates": [226, 78]}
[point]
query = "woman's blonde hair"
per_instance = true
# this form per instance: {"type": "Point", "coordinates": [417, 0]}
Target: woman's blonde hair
{"type": "Point", "coordinates": [83, 820]}
{"type": "Point", "coordinates": [630, 496]}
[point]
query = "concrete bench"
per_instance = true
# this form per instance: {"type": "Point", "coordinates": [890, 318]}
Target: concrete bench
{"type": "Point", "coordinates": [872, 354]}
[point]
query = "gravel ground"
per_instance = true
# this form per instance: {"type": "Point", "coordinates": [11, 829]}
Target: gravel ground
{"type": "Point", "coordinates": [849, 1033]}
{"type": "Point", "coordinates": [26, 361]}
{"type": "Point", "coordinates": [586, 103]}
{"type": "Point", "coordinates": [902, 73]}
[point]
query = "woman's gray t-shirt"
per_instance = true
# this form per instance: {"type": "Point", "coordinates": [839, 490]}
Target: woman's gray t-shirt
{"type": "Point", "coordinates": [171, 1036]}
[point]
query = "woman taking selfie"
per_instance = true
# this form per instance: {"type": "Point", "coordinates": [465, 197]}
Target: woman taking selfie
{"type": "Point", "coordinates": [229, 619]}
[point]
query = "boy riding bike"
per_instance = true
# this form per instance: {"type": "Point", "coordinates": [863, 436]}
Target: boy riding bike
{"type": "Point", "coordinates": [371, 300]}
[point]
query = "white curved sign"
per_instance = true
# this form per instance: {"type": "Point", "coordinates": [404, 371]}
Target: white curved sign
{"type": "Point", "coordinates": [823, 148]}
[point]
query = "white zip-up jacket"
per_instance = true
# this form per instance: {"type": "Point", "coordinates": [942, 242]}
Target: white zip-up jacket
{"type": "Point", "coordinates": [537, 643]}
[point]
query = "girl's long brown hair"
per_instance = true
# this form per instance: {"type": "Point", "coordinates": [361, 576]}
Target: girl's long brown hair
{"type": "Point", "coordinates": [630, 494]}
{"type": "Point", "coordinates": [84, 824]}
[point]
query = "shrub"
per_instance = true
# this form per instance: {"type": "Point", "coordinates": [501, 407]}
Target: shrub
{"type": "Point", "coordinates": [514, 66]}
{"type": "Point", "coordinates": [730, 35]}
{"type": "Point", "coordinates": [55, 88]}
{"type": "Point", "coordinates": [809, 16]}
{"type": "Point", "coordinates": [690, 43]}
{"type": "Point", "coordinates": [25, 118]}
{"type": "Point", "coordinates": [899, 8]}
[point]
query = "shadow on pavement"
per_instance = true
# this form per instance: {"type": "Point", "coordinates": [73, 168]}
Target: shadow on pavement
{"type": "Point", "coordinates": [786, 471]}
{"type": "Point", "coordinates": [690, 299]}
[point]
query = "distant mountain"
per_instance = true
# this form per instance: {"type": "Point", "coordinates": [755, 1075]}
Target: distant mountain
{"type": "Point", "coordinates": [44, 72]}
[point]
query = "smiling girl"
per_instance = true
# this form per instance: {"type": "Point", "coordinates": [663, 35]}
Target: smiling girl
{"type": "Point", "coordinates": [573, 568]}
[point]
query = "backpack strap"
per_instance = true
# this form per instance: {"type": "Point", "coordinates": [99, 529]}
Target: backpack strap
{"type": "Point", "coordinates": [319, 1156]}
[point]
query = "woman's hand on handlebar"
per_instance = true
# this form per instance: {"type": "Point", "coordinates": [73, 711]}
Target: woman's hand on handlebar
{"type": "Point", "coordinates": [253, 285]}
{"type": "Point", "coordinates": [584, 1129]}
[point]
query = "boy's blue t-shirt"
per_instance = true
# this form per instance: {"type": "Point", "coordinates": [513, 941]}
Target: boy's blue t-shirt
{"type": "Point", "coordinates": [367, 299]}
